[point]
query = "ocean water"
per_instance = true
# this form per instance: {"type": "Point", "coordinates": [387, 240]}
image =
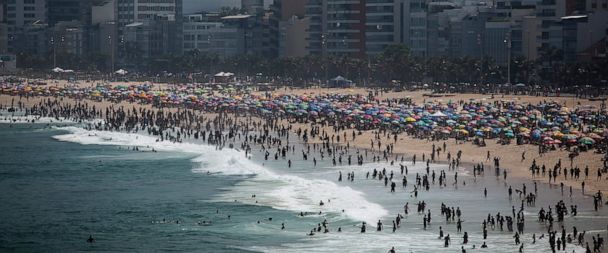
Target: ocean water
{"type": "Point", "coordinates": [60, 184]}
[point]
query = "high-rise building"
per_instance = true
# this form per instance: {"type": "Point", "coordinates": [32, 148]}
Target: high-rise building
{"type": "Point", "coordinates": [103, 11]}
{"type": "Point", "coordinates": [143, 16]}
{"type": "Point", "coordinates": [337, 27]}
{"type": "Point", "coordinates": [21, 14]}
{"type": "Point", "coordinates": [550, 12]}
{"type": "Point", "coordinates": [530, 37]}
{"type": "Point", "coordinates": [585, 36]}
{"type": "Point", "coordinates": [497, 41]}
{"type": "Point", "coordinates": [3, 29]}
{"type": "Point", "coordinates": [150, 38]}
{"type": "Point", "coordinates": [415, 26]}
{"type": "Point", "coordinates": [212, 36]}
{"type": "Point", "coordinates": [253, 7]}
{"type": "Point", "coordinates": [70, 10]}
{"type": "Point", "coordinates": [289, 28]}
{"type": "Point", "coordinates": [130, 11]}
{"type": "Point", "coordinates": [383, 24]}
{"type": "Point", "coordinates": [594, 5]}
{"type": "Point", "coordinates": [33, 39]}
{"type": "Point", "coordinates": [71, 37]}
{"type": "Point", "coordinates": [316, 29]}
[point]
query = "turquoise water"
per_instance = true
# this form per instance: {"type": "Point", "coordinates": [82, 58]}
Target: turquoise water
{"type": "Point", "coordinates": [58, 185]}
{"type": "Point", "coordinates": [54, 194]}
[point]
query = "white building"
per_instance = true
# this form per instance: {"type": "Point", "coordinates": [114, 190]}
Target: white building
{"type": "Point", "coordinates": [212, 37]}
{"type": "Point", "coordinates": [130, 11]}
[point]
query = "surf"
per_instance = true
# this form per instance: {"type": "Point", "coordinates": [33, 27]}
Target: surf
{"type": "Point", "coordinates": [274, 189]}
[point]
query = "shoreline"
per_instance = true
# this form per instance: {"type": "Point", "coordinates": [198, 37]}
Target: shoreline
{"type": "Point", "coordinates": [409, 146]}
{"type": "Point", "coordinates": [405, 144]}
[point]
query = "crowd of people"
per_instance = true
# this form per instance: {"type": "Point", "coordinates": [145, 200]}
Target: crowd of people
{"type": "Point", "coordinates": [321, 128]}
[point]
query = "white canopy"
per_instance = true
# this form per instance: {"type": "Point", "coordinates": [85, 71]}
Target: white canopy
{"type": "Point", "coordinates": [58, 70]}
{"type": "Point", "coordinates": [224, 74]}
{"type": "Point", "coordinates": [438, 114]}
{"type": "Point", "coordinates": [121, 72]}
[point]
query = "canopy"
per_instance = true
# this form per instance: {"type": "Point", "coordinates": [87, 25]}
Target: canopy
{"type": "Point", "coordinates": [438, 114]}
{"type": "Point", "coordinates": [121, 72]}
{"type": "Point", "coordinates": [339, 78]}
{"type": "Point", "coordinates": [224, 74]}
{"type": "Point", "coordinates": [340, 81]}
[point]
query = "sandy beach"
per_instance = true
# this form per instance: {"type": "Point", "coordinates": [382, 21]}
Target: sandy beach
{"type": "Point", "coordinates": [510, 155]}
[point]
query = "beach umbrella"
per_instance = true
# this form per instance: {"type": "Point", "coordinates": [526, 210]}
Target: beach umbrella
{"type": "Point", "coordinates": [594, 136]}
{"type": "Point", "coordinates": [535, 134]}
{"type": "Point", "coordinates": [586, 141]}
{"type": "Point", "coordinates": [558, 134]}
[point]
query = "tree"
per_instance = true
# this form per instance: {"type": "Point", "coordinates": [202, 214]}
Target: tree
{"type": "Point", "coordinates": [396, 60]}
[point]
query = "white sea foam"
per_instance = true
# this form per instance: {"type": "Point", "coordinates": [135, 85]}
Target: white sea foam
{"type": "Point", "coordinates": [8, 119]}
{"type": "Point", "coordinates": [414, 242]}
{"type": "Point", "coordinates": [280, 191]}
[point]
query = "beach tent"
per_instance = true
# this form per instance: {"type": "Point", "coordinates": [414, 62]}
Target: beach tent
{"type": "Point", "coordinates": [223, 77]}
{"type": "Point", "coordinates": [340, 82]}
{"type": "Point", "coordinates": [121, 72]}
{"type": "Point", "coordinates": [438, 114]}
{"type": "Point", "coordinates": [224, 74]}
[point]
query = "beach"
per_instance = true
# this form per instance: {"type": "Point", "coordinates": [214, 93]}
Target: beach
{"type": "Point", "coordinates": [510, 154]}
{"type": "Point", "coordinates": [284, 175]}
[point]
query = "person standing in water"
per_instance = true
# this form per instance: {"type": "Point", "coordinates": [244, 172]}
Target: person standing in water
{"type": "Point", "coordinates": [90, 240]}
